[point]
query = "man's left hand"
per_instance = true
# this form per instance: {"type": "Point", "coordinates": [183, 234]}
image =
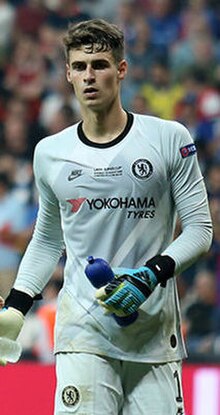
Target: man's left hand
{"type": "Point", "coordinates": [130, 288]}
{"type": "Point", "coordinates": [127, 291]}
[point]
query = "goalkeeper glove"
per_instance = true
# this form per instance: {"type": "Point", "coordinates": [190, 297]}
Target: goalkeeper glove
{"type": "Point", "coordinates": [131, 287]}
{"type": "Point", "coordinates": [12, 315]}
{"type": "Point", "coordinates": [11, 323]}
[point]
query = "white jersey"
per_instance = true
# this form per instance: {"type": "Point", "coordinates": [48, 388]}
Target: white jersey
{"type": "Point", "coordinates": [117, 201]}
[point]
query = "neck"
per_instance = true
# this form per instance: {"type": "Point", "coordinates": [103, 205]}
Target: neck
{"type": "Point", "coordinates": [105, 126]}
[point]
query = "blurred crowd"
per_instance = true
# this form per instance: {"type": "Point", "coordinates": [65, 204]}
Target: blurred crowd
{"type": "Point", "coordinates": [173, 51]}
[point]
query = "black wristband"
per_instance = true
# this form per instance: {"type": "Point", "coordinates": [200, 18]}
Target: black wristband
{"type": "Point", "coordinates": [163, 267]}
{"type": "Point", "coordinates": [20, 300]}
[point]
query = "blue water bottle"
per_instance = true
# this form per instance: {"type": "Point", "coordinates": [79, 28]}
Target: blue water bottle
{"type": "Point", "coordinates": [99, 273]}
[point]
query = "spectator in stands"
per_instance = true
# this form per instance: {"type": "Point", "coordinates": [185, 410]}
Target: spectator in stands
{"type": "Point", "coordinates": [140, 55]}
{"type": "Point", "coordinates": [213, 187]}
{"type": "Point", "coordinates": [202, 103]}
{"type": "Point", "coordinates": [16, 142]}
{"type": "Point", "coordinates": [196, 11]}
{"type": "Point", "coordinates": [62, 118]}
{"type": "Point", "coordinates": [50, 46]}
{"type": "Point", "coordinates": [59, 97]}
{"type": "Point", "coordinates": [199, 49]}
{"type": "Point", "coordinates": [46, 313]}
{"type": "Point", "coordinates": [100, 8]}
{"type": "Point", "coordinates": [13, 218]}
{"type": "Point", "coordinates": [125, 18]}
{"type": "Point", "coordinates": [18, 107]}
{"type": "Point", "coordinates": [199, 315]}
{"type": "Point", "coordinates": [140, 105]}
{"type": "Point", "coordinates": [160, 92]}
{"type": "Point", "coordinates": [25, 73]}
{"type": "Point", "coordinates": [164, 21]}
{"type": "Point", "coordinates": [7, 15]}
{"type": "Point", "coordinates": [64, 11]}
{"type": "Point", "coordinates": [213, 180]}
{"type": "Point", "coordinates": [186, 113]}
{"type": "Point", "coordinates": [30, 15]}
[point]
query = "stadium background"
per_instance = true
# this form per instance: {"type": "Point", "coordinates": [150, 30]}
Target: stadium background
{"type": "Point", "coordinates": [173, 49]}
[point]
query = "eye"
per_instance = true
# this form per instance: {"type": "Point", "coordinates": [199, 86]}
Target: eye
{"type": "Point", "coordinates": [79, 66]}
{"type": "Point", "coordinates": [100, 64]}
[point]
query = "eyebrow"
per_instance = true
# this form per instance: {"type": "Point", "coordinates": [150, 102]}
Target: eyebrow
{"type": "Point", "coordinates": [95, 61]}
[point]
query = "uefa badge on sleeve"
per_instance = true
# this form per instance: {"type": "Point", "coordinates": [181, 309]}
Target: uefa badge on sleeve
{"type": "Point", "coordinates": [188, 150]}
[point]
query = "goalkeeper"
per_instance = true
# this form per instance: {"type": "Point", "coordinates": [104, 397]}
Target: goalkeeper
{"type": "Point", "coordinates": [111, 186]}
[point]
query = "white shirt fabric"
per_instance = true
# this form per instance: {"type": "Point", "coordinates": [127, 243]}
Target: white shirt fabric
{"type": "Point", "coordinates": [117, 201]}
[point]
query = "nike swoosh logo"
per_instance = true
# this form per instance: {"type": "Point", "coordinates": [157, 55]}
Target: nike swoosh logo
{"type": "Point", "coordinates": [73, 176]}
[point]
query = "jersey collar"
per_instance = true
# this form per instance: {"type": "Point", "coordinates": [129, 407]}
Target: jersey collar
{"type": "Point", "coordinates": [112, 143]}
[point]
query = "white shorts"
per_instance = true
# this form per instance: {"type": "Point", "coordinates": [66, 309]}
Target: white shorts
{"type": "Point", "coordinates": [92, 385]}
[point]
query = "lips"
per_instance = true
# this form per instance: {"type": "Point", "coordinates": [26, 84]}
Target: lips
{"type": "Point", "coordinates": [90, 90]}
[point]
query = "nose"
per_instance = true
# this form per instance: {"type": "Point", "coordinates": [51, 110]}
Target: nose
{"type": "Point", "coordinates": [89, 76]}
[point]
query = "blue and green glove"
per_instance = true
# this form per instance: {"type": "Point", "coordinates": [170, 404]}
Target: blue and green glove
{"type": "Point", "coordinates": [130, 288]}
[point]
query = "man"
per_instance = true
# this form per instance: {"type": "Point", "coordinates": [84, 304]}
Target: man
{"type": "Point", "coordinates": [13, 221]}
{"type": "Point", "coordinates": [110, 186]}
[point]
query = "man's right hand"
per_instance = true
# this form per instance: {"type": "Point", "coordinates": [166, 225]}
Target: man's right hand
{"type": "Point", "coordinates": [11, 323]}
{"type": "Point", "coordinates": [16, 306]}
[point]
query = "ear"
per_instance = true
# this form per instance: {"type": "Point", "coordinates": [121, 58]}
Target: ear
{"type": "Point", "coordinates": [68, 76]}
{"type": "Point", "coordinates": [122, 69]}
